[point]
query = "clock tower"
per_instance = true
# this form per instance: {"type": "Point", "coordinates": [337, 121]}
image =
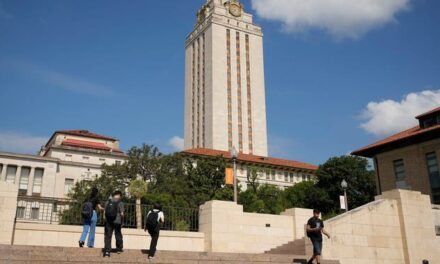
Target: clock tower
{"type": "Point", "coordinates": [225, 104]}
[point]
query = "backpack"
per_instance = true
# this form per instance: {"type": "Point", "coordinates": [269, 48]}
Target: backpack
{"type": "Point", "coordinates": [111, 211]}
{"type": "Point", "coordinates": [87, 210]}
{"type": "Point", "coordinates": [152, 225]}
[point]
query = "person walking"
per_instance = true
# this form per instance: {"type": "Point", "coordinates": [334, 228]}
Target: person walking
{"type": "Point", "coordinates": [90, 217]}
{"type": "Point", "coordinates": [315, 229]}
{"type": "Point", "coordinates": [114, 215]}
{"type": "Point", "coordinates": [155, 218]}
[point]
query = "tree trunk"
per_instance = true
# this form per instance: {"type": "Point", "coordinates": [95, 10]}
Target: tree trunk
{"type": "Point", "coordinates": [138, 213]}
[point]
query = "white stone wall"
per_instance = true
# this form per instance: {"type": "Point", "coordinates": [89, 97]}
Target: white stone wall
{"type": "Point", "coordinates": [49, 166]}
{"type": "Point", "coordinates": [84, 157]}
{"type": "Point", "coordinates": [395, 229]}
{"type": "Point", "coordinates": [67, 236]}
{"type": "Point", "coordinates": [8, 205]}
{"type": "Point", "coordinates": [228, 229]}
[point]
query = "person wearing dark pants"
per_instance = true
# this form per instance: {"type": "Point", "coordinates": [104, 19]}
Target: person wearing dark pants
{"type": "Point", "coordinates": [114, 214]}
{"type": "Point", "coordinates": [315, 229]}
{"type": "Point", "coordinates": [153, 222]}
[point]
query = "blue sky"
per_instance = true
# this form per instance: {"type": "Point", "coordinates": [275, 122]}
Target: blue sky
{"type": "Point", "coordinates": [117, 68]}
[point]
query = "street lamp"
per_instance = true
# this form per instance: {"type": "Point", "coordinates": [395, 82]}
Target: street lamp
{"type": "Point", "coordinates": [234, 159]}
{"type": "Point", "coordinates": [344, 186]}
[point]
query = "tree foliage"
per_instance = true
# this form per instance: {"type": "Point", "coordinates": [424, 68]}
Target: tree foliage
{"type": "Point", "coordinates": [180, 181]}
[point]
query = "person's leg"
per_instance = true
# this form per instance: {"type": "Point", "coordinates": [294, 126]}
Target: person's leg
{"type": "Point", "coordinates": [86, 227]}
{"type": "Point", "coordinates": [314, 250]}
{"type": "Point", "coordinates": [318, 246]}
{"type": "Point", "coordinates": [91, 241]}
{"type": "Point", "coordinates": [153, 244]}
{"type": "Point", "coordinates": [119, 237]}
{"type": "Point", "coordinates": [108, 233]}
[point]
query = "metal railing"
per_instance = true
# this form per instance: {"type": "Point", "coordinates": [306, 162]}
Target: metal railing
{"type": "Point", "coordinates": [65, 212]}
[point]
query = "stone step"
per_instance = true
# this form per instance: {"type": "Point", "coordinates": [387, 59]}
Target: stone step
{"type": "Point", "coordinates": [296, 247]}
{"type": "Point", "coordinates": [31, 254]}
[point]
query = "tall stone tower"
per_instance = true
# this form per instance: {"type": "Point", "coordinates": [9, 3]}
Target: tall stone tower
{"type": "Point", "coordinates": [225, 103]}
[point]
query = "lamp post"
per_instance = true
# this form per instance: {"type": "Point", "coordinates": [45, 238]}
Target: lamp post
{"type": "Point", "coordinates": [344, 186]}
{"type": "Point", "coordinates": [234, 160]}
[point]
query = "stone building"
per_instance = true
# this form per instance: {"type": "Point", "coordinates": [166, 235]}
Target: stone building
{"type": "Point", "coordinates": [68, 156]}
{"type": "Point", "coordinates": [225, 103]}
{"type": "Point", "coordinates": [279, 172]}
{"type": "Point", "coordinates": [409, 159]}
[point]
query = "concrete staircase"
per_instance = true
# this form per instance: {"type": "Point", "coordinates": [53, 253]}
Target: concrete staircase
{"type": "Point", "coordinates": [58, 255]}
{"type": "Point", "coordinates": [296, 247]}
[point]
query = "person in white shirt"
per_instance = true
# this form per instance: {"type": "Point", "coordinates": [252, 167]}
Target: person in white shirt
{"type": "Point", "coordinates": [155, 218]}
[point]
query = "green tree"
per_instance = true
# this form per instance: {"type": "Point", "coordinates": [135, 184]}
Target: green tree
{"type": "Point", "coordinates": [306, 195]}
{"type": "Point", "coordinates": [361, 183]}
{"type": "Point", "coordinates": [138, 189]}
{"type": "Point", "coordinates": [252, 175]}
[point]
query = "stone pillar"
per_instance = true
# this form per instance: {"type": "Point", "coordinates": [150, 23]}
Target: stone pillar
{"type": "Point", "coordinates": [3, 176]}
{"type": "Point", "coordinates": [8, 207]}
{"type": "Point", "coordinates": [300, 217]}
{"type": "Point", "coordinates": [31, 181]}
{"type": "Point", "coordinates": [216, 221]}
{"type": "Point", "coordinates": [17, 176]}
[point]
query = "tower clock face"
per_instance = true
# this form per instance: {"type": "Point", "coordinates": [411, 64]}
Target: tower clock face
{"type": "Point", "coordinates": [235, 10]}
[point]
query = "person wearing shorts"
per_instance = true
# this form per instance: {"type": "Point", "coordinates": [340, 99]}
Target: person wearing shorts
{"type": "Point", "coordinates": [315, 229]}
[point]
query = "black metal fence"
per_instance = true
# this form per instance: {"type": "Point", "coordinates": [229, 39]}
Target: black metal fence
{"type": "Point", "coordinates": [56, 211]}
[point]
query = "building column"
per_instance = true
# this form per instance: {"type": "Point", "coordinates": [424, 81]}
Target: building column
{"type": "Point", "coordinates": [3, 176]}
{"type": "Point", "coordinates": [17, 176]}
{"type": "Point", "coordinates": [31, 181]}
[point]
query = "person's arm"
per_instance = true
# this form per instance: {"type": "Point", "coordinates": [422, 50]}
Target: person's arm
{"type": "Point", "coordinates": [161, 218]}
{"type": "Point", "coordinates": [99, 206]}
{"type": "Point", "coordinates": [310, 229]}
{"type": "Point", "coordinates": [121, 209]}
{"type": "Point", "coordinates": [325, 233]}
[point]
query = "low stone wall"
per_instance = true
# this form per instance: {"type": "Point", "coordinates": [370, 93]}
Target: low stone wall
{"type": "Point", "coordinates": [67, 236]}
{"type": "Point", "coordinates": [436, 215]}
{"type": "Point", "coordinates": [395, 229]}
{"type": "Point", "coordinates": [229, 229]}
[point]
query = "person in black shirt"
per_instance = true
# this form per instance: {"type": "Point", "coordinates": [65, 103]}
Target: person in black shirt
{"type": "Point", "coordinates": [315, 229]}
{"type": "Point", "coordinates": [90, 224]}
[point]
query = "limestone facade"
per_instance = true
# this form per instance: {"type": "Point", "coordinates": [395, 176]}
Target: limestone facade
{"type": "Point", "coordinates": [224, 82]}
{"type": "Point", "coordinates": [68, 157]}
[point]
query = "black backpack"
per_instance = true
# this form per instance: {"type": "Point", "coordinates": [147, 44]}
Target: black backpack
{"type": "Point", "coordinates": [111, 211]}
{"type": "Point", "coordinates": [152, 223]}
{"type": "Point", "coordinates": [87, 210]}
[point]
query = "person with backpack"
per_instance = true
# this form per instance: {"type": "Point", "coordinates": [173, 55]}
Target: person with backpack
{"type": "Point", "coordinates": [90, 217]}
{"type": "Point", "coordinates": [155, 218]}
{"type": "Point", "coordinates": [315, 229]}
{"type": "Point", "coordinates": [114, 215]}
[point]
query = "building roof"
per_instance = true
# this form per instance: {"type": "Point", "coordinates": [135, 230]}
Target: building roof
{"type": "Point", "coordinates": [433, 111]}
{"type": "Point", "coordinates": [88, 144]}
{"type": "Point", "coordinates": [84, 133]}
{"type": "Point", "coordinates": [252, 158]}
{"type": "Point", "coordinates": [411, 136]}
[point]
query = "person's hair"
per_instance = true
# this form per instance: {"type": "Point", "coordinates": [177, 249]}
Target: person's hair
{"type": "Point", "coordinates": [316, 211]}
{"type": "Point", "coordinates": [158, 207]}
{"type": "Point", "coordinates": [117, 193]}
{"type": "Point", "coordinates": [94, 193]}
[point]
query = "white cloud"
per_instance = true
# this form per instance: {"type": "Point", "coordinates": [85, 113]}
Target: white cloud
{"type": "Point", "coordinates": [176, 143]}
{"type": "Point", "coordinates": [59, 80]}
{"type": "Point", "coordinates": [389, 116]}
{"type": "Point", "coordinates": [21, 142]}
{"type": "Point", "coordinates": [340, 18]}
